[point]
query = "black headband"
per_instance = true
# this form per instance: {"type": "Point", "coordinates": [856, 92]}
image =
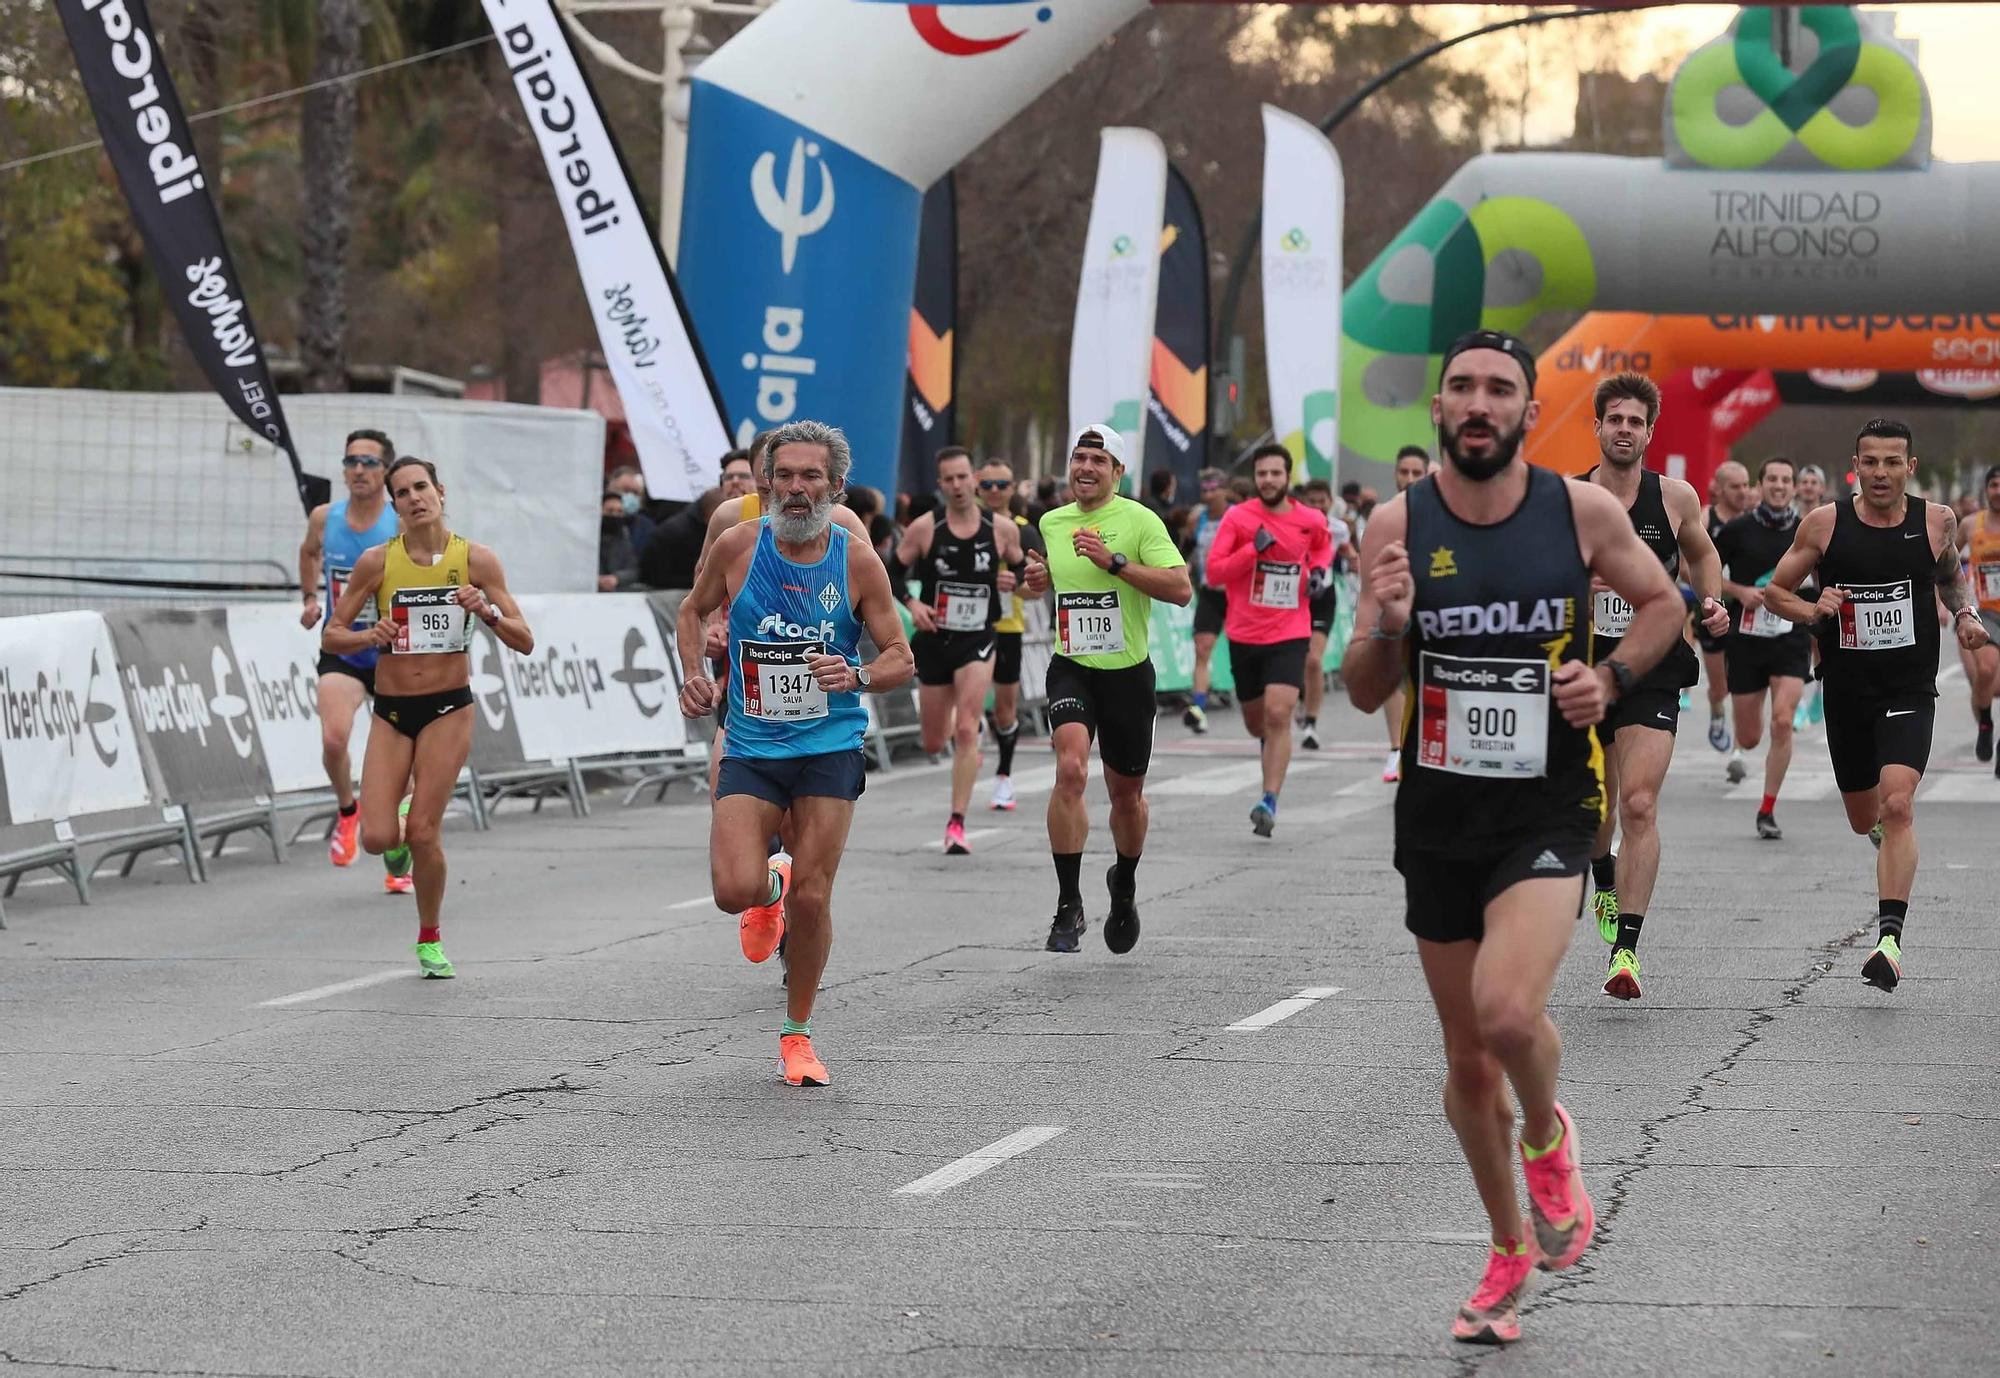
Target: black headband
{"type": "Point", "coordinates": [1507, 344]}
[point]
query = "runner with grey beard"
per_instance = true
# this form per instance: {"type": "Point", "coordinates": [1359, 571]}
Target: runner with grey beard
{"type": "Point", "coordinates": [799, 591]}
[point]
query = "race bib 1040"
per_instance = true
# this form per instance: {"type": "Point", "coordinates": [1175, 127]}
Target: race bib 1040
{"type": "Point", "coordinates": [1483, 716]}
{"type": "Point", "coordinates": [1878, 617]}
{"type": "Point", "coordinates": [1090, 624]}
{"type": "Point", "coordinates": [429, 621]}
{"type": "Point", "coordinates": [777, 686]}
{"type": "Point", "coordinates": [1610, 615]}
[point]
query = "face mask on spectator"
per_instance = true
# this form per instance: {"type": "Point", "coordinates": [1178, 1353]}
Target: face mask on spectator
{"type": "Point", "coordinates": [630, 502]}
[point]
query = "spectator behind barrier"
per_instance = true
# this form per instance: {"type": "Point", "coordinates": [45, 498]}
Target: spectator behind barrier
{"type": "Point", "coordinates": [669, 558]}
{"type": "Point", "coordinates": [1160, 485]}
{"type": "Point", "coordinates": [617, 562]}
{"type": "Point", "coordinates": [739, 479]}
{"type": "Point", "coordinates": [630, 485]}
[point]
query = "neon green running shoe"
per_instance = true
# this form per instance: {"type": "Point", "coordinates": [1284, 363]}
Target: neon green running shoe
{"type": "Point", "coordinates": [1622, 981]}
{"type": "Point", "coordinates": [1875, 836]}
{"type": "Point", "coordinates": [1884, 967]}
{"type": "Point", "coordinates": [430, 956]}
{"type": "Point", "coordinates": [1604, 904]}
{"type": "Point", "coordinates": [396, 861]}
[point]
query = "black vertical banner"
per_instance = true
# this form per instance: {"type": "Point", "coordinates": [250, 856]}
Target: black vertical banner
{"type": "Point", "coordinates": [1177, 402]}
{"type": "Point", "coordinates": [929, 414]}
{"type": "Point", "coordinates": [151, 149]}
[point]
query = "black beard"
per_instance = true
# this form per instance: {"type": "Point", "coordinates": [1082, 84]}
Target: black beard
{"type": "Point", "coordinates": [1505, 446]}
{"type": "Point", "coordinates": [1273, 503]}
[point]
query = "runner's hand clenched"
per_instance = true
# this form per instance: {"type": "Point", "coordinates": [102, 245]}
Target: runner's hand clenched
{"type": "Point", "coordinates": [833, 673]}
{"type": "Point", "coordinates": [1580, 693]}
{"type": "Point", "coordinates": [1035, 574]}
{"type": "Point", "coordinates": [1714, 617]}
{"type": "Point", "coordinates": [1392, 588]}
{"type": "Point", "coordinates": [1829, 603]}
{"type": "Point", "coordinates": [698, 697]}
{"type": "Point", "coordinates": [310, 617]}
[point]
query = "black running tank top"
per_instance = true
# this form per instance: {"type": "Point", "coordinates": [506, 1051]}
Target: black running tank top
{"type": "Point", "coordinates": [1611, 615]}
{"type": "Point", "coordinates": [1486, 757]}
{"type": "Point", "coordinates": [1885, 637]}
{"type": "Point", "coordinates": [961, 578]}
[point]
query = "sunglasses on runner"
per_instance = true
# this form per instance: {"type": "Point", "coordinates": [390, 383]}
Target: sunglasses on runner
{"type": "Point", "coordinates": [996, 483]}
{"type": "Point", "coordinates": [360, 462]}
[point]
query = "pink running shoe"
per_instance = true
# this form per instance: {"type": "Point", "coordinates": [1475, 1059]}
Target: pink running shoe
{"type": "Point", "coordinates": [954, 839]}
{"type": "Point", "coordinates": [1563, 1216]}
{"type": "Point", "coordinates": [1490, 1318]}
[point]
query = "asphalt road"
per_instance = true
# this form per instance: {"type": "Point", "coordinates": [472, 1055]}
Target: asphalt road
{"type": "Point", "coordinates": [578, 1157]}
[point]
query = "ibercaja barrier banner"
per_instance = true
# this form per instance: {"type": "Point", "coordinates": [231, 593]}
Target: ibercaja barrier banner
{"type": "Point", "coordinates": [600, 681]}
{"type": "Point", "coordinates": [66, 741]}
{"type": "Point", "coordinates": [496, 742]}
{"type": "Point", "coordinates": [278, 660]}
{"type": "Point", "coordinates": [670, 402]}
{"type": "Point", "coordinates": [190, 704]}
{"type": "Point", "coordinates": [1177, 402]}
{"type": "Point", "coordinates": [146, 136]}
{"type": "Point", "coordinates": [930, 417]}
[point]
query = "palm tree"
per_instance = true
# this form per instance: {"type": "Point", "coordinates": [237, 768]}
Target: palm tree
{"type": "Point", "coordinates": [326, 148]}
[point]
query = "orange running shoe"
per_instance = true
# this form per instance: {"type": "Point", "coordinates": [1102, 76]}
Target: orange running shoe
{"type": "Point", "coordinates": [760, 928]}
{"type": "Point", "coordinates": [801, 1064]}
{"type": "Point", "coordinates": [399, 885]}
{"type": "Point", "coordinates": [345, 844]}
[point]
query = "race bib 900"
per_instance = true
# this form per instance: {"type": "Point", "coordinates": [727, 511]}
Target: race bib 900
{"type": "Point", "coordinates": [1483, 716]}
{"type": "Point", "coordinates": [1089, 624]}
{"type": "Point", "coordinates": [429, 621]}
{"type": "Point", "coordinates": [777, 686]}
{"type": "Point", "coordinates": [1878, 617]}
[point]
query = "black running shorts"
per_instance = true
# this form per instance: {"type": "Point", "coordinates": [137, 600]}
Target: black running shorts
{"type": "Point", "coordinates": [1325, 608]}
{"type": "Point", "coordinates": [1255, 667]}
{"type": "Point", "coordinates": [1866, 731]}
{"type": "Point", "coordinates": [1210, 607]}
{"type": "Point", "coordinates": [1646, 706]}
{"type": "Point", "coordinates": [941, 655]}
{"type": "Point", "coordinates": [1754, 661]}
{"type": "Point", "coordinates": [410, 714]}
{"type": "Point", "coordinates": [331, 664]}
{"type": "Point", "coordinates": [1115, 705]}
{"type": "Point", "coordinates": [1447, 892]}
{"type": "Point", "coordinates": [1007, 658]}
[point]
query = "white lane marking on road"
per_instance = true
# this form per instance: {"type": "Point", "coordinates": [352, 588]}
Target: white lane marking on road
{"type": "Point", "coordinates": [1284, 1009]}
{"type": "Point", "coordinates": [1233, 778]}
{"type": "Point", "coordinates": [1035, 781]}
{"type": "Point", "coordinates": [980, 1160]}
{"type": "Point", "coordinates": [1800, 786]}
{"type": "Point", "coordinates": [697, 902]}
{"type": "Point", "coordinates": [299, 997]}
{"type": "Point", "coordinates": [1959, 787]}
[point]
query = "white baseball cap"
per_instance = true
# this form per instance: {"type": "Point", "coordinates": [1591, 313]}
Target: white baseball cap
{"type": "Point", "coordinates": [1105, 438]}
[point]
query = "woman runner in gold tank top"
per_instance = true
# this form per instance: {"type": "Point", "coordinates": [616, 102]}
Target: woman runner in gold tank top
{"type": "Point", "coordinates": [427, 586]}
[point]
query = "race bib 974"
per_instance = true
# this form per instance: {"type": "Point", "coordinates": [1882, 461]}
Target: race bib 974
{"type": "Point", "coordinates": [1275, 584]}
{"type": "Point", "coordinates": [1763, 622]}
{"type": "Point", "coordinates": [1878, 617]}
{"type": "Point", "coordinates": [1483, 716]}
{"type": "Point", "coordinates": [429, 621]}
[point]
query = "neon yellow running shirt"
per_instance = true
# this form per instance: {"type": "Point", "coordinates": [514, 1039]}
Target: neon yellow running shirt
{"type": "Point", "coordinates": [1094, 628]}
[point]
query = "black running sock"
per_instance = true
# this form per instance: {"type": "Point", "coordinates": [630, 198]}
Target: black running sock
{"type": "Point", "coordinates": [1604, 870]}
{"type": "Point", "coordinates": [1069, 880]}
{"type": "Point", "coordinates": [959, 819]}
{"type": "Point", "coordinates": [348, 812]}
{"type": "Point", "coordinates": [1125, 876]}
{"type": "Point", "coordinates": [1007, 740]}
{"type": "Point", "coordinates": [1986, 716]}
{"type": "Point", "coordinates": [1628, 930]}
{"type": "Point", "coordinates": [1891, 918]}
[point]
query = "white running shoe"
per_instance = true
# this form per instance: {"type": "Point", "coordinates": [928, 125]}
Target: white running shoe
{"type": "Point", "coordinates": [1003, 793]}
{"type": "Point", "coordinates": [1392, 769]}
{"type": "Point", "coordinates": [1736, 769]}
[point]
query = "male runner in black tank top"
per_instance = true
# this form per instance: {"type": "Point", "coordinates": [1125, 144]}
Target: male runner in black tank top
{"type": "Point", "coordinates": [1477, 583]}
{"type": "Point", "coordinates": [1728, 498]}
{"type": "Point", "coordinates": [1638, 730]}
{"type": "Point", "coordinates": [963, 562]}
{"type": "Point", "coordinates": [1884, 560]}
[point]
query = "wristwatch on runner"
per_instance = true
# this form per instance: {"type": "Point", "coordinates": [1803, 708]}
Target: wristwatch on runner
{"type": "Point", "coordinates": [1117, 566]}
{"type": "Point", "coordinates": [862, 677]}
{"type": "Point", "coordinates": [1621, 677]}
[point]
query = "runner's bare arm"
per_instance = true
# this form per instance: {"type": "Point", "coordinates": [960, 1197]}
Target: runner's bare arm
{"type": "Point", "coordinates": [312, 564]}
{"type": "Point", "coordinates": [485, 592]}
{"type": "Point", "coordinates": [1617, 556]}
{"type": "Point", "coordinates": [338, 635]}
{"type": "Point", "coordinates": [914, 546]}
{"type": "Point", "coordinates": [1951, 591]}
{"type": "Point", "coordinates": [1376, 660]}
{"type": "Point", "coordinates": [1808, 546]}
{"type": "Point", "coordinates": [893, 664]}
{"type": "Point", "coordinates": [1698, 557]}
{"type": "Point", "coordinates": [1162, 583]}
{"type": "Point", "coordinates": [710, 592]}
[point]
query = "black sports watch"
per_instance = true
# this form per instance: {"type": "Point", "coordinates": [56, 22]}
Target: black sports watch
{"type": "Point", "coordinates": [862, 677]}
{"type": "Point", "coordinates": [1622, 677]}
{"type": "Point", "coordinates": [1117, 567]}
